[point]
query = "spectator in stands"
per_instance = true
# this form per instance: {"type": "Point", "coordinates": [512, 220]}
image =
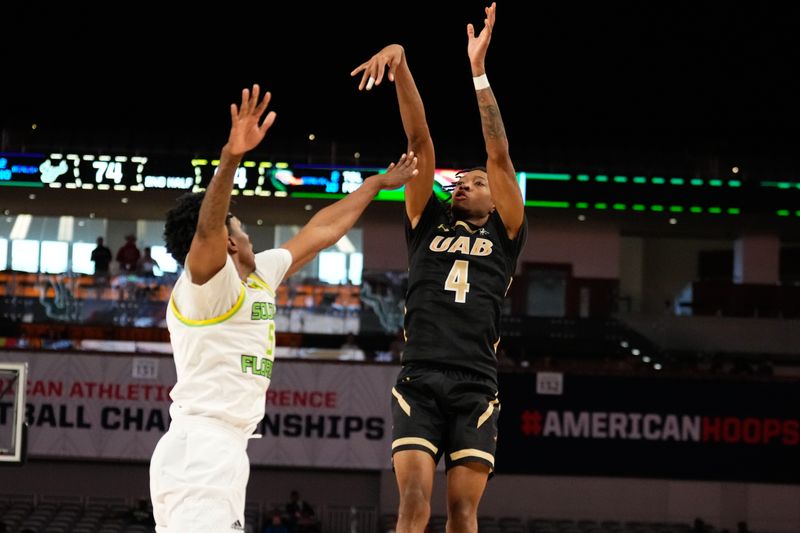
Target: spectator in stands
{"type": "Point", "coordinates": [301, 515]}
{"type": "Point", "coordinates": [350, 342]}
{"type": "Point", "coordinates": [308, 522]}
{"type": "Point", "coordinates": [101, 257]}
{"type": "Point", "coordinates": [700, 526]}
{"type": "Point", "coordinates": [741, 527]}
{"type": "Point", "coordinates": [141, 514]}
{"type": "Point", "coordinates": [276, 524]}
{"type": "Point", "coordinates": [764, 368]}
{"type": "Point", "coordinates": [395, 352]}
{"type": "Point", "coordinates": [56, 340]}
{"type": "Point", "coordinates": [397, 346]}
{"type": "Point", "coordinates": [146, 264]}
{"type": "Point", "coordinates": [128, 255]}
{"type": "Point", "coordinates": [221, 321]}
{"type": "Point", "coordinates": [351, 351]}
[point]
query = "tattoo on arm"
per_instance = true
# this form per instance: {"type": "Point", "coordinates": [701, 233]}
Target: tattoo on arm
{"type": "Point", "coordinates": [491, 120]}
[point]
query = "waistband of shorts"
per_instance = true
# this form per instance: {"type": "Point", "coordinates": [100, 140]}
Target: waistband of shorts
{"type": "Point", "coordinates": [188, 422]}
{"type": "Point", "coordinates": [458, 372]}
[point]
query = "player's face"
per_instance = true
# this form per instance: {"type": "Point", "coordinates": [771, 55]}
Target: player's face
{"type": "Point", "coordinates": [472, 195]}
{"type": "Point", "coordinates": [244, 248]}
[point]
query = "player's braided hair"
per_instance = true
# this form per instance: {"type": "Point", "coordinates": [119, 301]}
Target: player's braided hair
{"type": "Point", "coordinates": [450, 188]}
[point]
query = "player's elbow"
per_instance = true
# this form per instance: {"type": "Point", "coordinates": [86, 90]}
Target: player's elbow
{"type": "Point", "coordinates": [419, 138]}
{"type": "Point", "coordinates": [328, 236]}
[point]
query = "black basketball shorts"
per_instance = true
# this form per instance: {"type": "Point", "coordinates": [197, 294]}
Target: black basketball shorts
{"type": "Point", "coordinates": [445, 411]}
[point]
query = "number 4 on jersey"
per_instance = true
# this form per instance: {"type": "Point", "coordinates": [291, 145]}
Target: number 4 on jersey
{"type": "Point", "coordinates": [457, 280]}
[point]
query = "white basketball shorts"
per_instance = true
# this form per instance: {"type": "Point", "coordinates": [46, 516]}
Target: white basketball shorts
{"type": "Point", "coordinates": [198, 477]}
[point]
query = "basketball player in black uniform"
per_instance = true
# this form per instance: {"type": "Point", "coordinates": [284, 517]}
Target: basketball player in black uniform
{"type": "Point", "coordinates": [461, 259]}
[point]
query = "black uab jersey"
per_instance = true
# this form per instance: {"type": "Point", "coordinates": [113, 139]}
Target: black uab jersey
{"type": "Point", "coordinates": [458, 277]}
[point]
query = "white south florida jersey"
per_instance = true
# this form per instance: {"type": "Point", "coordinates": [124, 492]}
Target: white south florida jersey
{"type": "Point", "coordinates": [223, 340]}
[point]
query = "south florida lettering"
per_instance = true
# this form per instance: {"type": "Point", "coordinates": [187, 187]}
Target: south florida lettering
{"type": "Point", "coordinates": [258, 366]}
{"type": "Point", "coordinates": [262, 311]}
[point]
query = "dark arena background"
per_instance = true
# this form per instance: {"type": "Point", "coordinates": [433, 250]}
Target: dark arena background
{"type": "Point", "coordinates": [650, 354]}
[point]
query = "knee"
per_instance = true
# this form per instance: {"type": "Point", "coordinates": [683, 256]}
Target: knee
{"type": "Point", "coordinates": [414, 502]}
{"type": "Point", "coordinates": [462, 513]}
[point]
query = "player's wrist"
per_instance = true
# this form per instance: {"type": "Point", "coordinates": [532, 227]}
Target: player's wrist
{"type": "Point", "coordinates": [375, 184]}
{"type": "Point", "coordinates": [478, 68]}
{"type": "Point", "coordinates": [480, 82]}
{"type": "Point", "coordinates": [229, 153]}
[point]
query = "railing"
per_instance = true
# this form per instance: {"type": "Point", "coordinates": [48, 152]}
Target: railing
{"type": "Point", "coordinates": [349, 519]}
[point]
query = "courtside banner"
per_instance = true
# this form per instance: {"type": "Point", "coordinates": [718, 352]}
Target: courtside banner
{"type": "Point", "coordinates": [558, 424]}
{"type": "Point", "coordinates": [117, 407]}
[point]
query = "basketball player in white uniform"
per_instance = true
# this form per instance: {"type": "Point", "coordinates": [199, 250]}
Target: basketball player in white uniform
{"type": "Point", "coordinates": [222, 329]}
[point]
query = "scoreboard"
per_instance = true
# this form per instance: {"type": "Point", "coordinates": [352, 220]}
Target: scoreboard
{"type": "Point", "coordinates": [142, 173]}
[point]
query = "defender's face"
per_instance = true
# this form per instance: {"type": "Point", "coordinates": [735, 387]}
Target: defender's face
{"type": "Point", "coordinates": [243, 245]}
{"type": "Point", "coordinates": [472, 195]}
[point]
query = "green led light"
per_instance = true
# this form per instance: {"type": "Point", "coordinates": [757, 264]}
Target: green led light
{"type": "Point", "coordinates": [675, 209]}
{"type": "Point", "coordinates": [656, 207]}
{"type": "Point", "coordinates": [440, 194]}
{"type": "Point", "coordinates": [548, 177]}
{"type": "Point", "coordinates": [545, 203]}
{"type": "Point", "coordinates": [658, 181]}
{"type": "Point", "coordinates": [714, 210]}
{"type": "Point", "coordinates": [582, 177]}
{"type": "Point", "coordinates": [734, 211]}
{"type": "Point", "coordinates": [639, 207]}
{"type": "Point", "coordinates": [797, 213]}
{"type": "Point", "coordinates": [328, 195]}
{"type": "Point", "coordinates": [619, 207]}
{"type": "Point", "coordinates": [696, 209]}
{"type": "Point", "coordinates": [601, 177]}
{"type": "Point", "coordinates": [36, 184]}
{"type": "Point", "coordinates": [715, 183]}
{"type": "Point", "coordinates": [601, 205]}
{"type": "Point", "coordinates": [676, 181]}
{"type": "Point", "coordinates": [783, 212]}
{"type": "Point", "coordinates": [640, 179]}
{"type": "Point", "coordinates": [581, 205]}
{"type": "Point", "coordinates": [620, 179]}
{"type": "Point", "coordinates": [734, 183]}
{"type": "Point", "coordinates": [696, 182]}
{"type": "Point", "coordinates": [778, 184]}
{"type": "Point", "coordinates": [396, 195]}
